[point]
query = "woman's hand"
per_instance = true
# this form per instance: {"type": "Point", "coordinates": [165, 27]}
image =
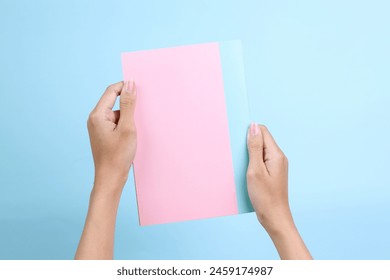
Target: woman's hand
{"type": "Point", "coordinates": [113, 141]}
{"type": "Point", "coordinates": [267, 179]}
{"type": "Point", "coordinates": [113, 136]}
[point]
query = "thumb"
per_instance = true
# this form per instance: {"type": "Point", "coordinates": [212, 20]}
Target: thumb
{"type": "Point", "coordinates": [127, 103]}
{"type": "Point", "coordinates": [255, 144]}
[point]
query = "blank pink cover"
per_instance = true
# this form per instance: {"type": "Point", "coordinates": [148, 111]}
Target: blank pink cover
{"type": "Point", "coordinates": [183, 166]}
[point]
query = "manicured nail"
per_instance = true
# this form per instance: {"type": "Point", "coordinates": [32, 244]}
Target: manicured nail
{"type": "Point", "coordinates": [254, 129]}
{"type": "Point", "coordinates": [132, 88]}
{"type": "Point", "coordinates": [129, 85]}
{"type": "Point", "coordinates": [126, 85]}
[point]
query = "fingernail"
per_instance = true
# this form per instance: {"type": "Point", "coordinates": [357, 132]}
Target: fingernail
{"type": "Point", "coordinates": [254, 129]}
{"type": "Point", "coordinates": [128, 85]}
{"type": "Point", "coordinates": [132, 88]}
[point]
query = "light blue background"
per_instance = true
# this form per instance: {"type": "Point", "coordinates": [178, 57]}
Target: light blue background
{"type": "Point", "coordinates": [317, 74]}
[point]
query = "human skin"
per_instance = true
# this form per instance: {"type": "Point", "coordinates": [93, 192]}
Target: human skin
{"type": "Point", "coordinates": [267, 180]}
{"type": "Point", "coordinates": [113, 142]}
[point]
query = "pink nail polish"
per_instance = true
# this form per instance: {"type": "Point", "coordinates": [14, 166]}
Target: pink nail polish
{"type": "Point", "coordinates": [254, 129]}
{"type": "Point", "coordinates": [131, 88]}
{"type": "Point", "coordinates": [257, 130]}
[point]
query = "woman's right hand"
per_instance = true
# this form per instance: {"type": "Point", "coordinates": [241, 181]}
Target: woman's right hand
{"type": "Point", "coordinates": [267, 179]}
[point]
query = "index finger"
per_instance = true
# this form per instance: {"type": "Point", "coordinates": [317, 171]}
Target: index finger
{"type": "Point", "coordinates": [107, 101]}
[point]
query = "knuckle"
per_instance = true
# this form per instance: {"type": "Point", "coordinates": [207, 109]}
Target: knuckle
{"type": "Point", "coordinates": [282, 158]}
{"type": "Point", "coordinates": [253, 174]}
{"type": "Point", "coordinates": [128, 130]}
{"type": "Point", "coordinates": [92, 118]}
{"type": "Point", "coordinates": [255, 146]}
{"type": "Point", "coordinates": [110, 88]}
{"type": "Point", "coordinates": [285, 161]}
{"type": "Point", "coordinates": [279, 154]}
{"type": "Point", "coordinates": [126, 101]}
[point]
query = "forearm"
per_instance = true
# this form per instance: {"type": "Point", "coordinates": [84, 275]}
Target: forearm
{"type": "Point", "coordinates": [113, 143]}
{"type": "Point", "coordinates": [289, 243]}
{"type": "Point", "coordinates": [97, 240]}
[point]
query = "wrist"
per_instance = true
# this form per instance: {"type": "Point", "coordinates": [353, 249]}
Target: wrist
{"type": "Point", "coordinates": [278, 225]}
{"type": "Point", "coordinates": [103, 205]}
{"type": "Point", "coordinates": [109, 179]}
{"type": "Point", "coordinates": [282, 230]}
{"type": "Point", "coordinates": [103, 197]}
{"type": "Point", "coordinates": [288, 242]}
{"type": "Point", "coordinates": [107, 189]}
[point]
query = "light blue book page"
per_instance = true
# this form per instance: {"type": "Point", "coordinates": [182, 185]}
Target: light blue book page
{"type": "Point", "coordinates": [238, 116]}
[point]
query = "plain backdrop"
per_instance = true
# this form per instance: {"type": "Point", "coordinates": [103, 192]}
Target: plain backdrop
{"type": "Point", "coordinates": [317, 75]}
